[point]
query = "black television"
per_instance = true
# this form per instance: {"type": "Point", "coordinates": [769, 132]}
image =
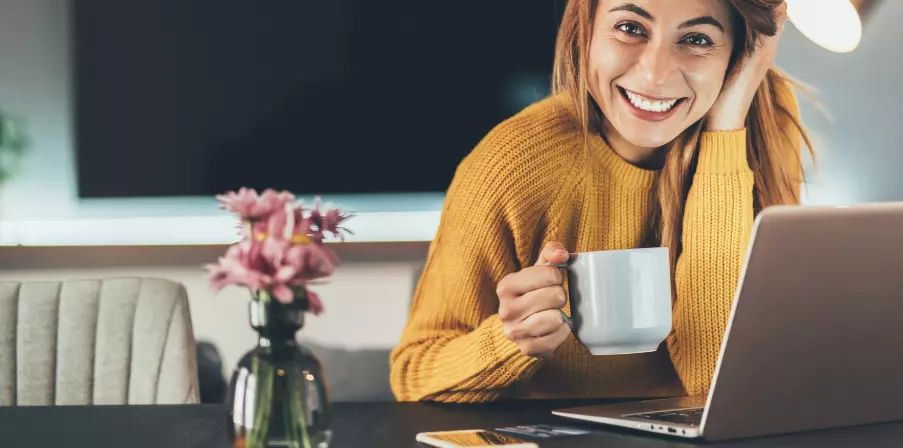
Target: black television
{"type": "Point", "coordinates": [192, 98]}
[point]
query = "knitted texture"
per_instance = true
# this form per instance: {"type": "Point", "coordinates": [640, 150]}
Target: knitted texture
{"type": "Point", "coordinates": [532, 180]}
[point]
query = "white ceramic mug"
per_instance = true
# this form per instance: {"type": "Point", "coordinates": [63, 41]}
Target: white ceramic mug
{"type": "Point", "coordinates": [620, 299]}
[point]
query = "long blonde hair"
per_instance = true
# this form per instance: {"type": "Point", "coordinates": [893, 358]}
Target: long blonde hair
{"type": "Point", "coordinates": [776, 168]}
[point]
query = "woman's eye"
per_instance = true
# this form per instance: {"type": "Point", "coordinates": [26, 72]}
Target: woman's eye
{"type": "Point", "coordinates": [699, 40]}
{"type": "Point", "coordinates": [631, 28]}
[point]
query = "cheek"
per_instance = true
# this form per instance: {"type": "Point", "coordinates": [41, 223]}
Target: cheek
{"type": "Point", "coordinates": [706, 78]}
{"type": "Point", "coordinates": [607, 62]}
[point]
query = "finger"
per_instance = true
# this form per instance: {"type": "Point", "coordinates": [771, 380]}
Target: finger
{"type": "Point", "coordinates": [537, 325]}
{"type": "Point", "coordinates": [554, 253]}
{"type": "Point", "coordinates": [546, 345]}
{"type": "Point", "coordinates": [548, 298]}
{"type": "Point", "coordinates": [528, 279]}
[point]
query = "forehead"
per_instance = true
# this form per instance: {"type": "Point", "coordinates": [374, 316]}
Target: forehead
{"type": "Point", "coordinates": [676, 10]}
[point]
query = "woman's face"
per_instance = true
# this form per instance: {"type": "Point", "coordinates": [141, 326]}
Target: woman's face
{"type": "Point", "coordinates": [657, 66]}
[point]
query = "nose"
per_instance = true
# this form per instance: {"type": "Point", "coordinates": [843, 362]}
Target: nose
{"type": "Point", "coordinates": [656, 63]}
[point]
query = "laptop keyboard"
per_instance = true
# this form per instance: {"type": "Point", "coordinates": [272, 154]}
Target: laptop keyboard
{"type": "Point", "coordinates": [691, 417]}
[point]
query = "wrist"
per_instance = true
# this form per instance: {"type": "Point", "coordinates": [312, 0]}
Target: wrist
{"type": "Point", "coordinates": [728, 115]}
{"type": "Point", "coordinates": [717, 124]}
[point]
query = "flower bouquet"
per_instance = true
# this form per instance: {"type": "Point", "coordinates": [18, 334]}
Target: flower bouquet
{"type": "Point", "coordinates": [278, 395]}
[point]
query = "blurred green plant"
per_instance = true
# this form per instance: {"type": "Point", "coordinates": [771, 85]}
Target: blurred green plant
{"type": "Point", "coordinates": [14, 144]}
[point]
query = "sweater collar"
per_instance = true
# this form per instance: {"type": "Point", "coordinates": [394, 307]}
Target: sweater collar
{"type": "Point", "coordinates": [623, 172]}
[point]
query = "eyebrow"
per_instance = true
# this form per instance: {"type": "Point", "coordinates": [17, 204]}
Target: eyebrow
{"type": "Point", "coordinates": [704, 20]}
{"type": "Point", "coordinates": [630, 7]}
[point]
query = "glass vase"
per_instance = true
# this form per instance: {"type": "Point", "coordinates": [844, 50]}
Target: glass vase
{"type": "Point", "coordinates": [278, 394]}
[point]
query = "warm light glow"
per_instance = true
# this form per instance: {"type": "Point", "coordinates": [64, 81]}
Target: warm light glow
{"type": "Point", "coordinates": [832, 24]}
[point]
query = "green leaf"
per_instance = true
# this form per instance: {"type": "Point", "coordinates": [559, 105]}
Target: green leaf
{"type": "Point", "coordinates": [14, 144]}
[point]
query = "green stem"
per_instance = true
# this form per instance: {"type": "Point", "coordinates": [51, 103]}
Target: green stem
{"type": "Point", "coordinates": [290, 439]}
{"type": "Point", "coordinates": [299, 409]}
{"type": "Point", "coordinates": [263, 378]}
{"type": "Point", "coordinates": [291, 423]}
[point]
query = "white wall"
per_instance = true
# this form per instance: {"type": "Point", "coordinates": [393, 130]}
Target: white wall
{"type": "Point", "coordinates": [34, 83]}
{"type": "Point", "coordinates": [861, 151]}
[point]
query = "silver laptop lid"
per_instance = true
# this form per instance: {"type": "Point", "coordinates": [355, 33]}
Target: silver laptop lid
{"type": "Point", "coordinates": [815, 338]}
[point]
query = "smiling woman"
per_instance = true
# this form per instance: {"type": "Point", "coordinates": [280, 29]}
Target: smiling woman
{"type": "Point", "coordinates": [668, 126]}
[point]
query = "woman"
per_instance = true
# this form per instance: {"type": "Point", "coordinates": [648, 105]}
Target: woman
{"type": "Point", "coordinates": [667, 127]}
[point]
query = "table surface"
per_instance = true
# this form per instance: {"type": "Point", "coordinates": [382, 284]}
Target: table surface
{"type": "Point", "coordinates": [360, 425]}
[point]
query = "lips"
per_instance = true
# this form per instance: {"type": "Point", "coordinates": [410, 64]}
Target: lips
{"type": "Point", "coordinates": [650, 108]}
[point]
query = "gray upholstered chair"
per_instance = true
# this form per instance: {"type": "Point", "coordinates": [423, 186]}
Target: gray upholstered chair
{"type": "Point", "coordinates": [115, 341]}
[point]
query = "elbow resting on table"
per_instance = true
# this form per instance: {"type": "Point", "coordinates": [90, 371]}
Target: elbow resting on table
{"type": "Point", "coordinates": [412, 380]}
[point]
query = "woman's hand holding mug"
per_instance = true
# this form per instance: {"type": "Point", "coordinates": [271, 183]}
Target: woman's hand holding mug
{"type": "Point", "coordinates": [620, 301]}
{"type": "Point", "coordinates": [530, 303]}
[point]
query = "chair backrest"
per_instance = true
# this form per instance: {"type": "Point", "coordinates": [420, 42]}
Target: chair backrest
{"type": "Point", "coordinates": [354, 374]}
{"type": "Point", "coordinates": [113, 341]}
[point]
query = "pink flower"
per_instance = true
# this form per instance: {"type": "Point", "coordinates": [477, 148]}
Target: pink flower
{"type": "Point", "coordinates": [332, 220]}
{"type": "Point", "coordinates": [250, 207]}
{"type": "Point", "coordinates": [313, 300]}
{"type": "Point", "coordinates": [312, 262]}
{"type": "Point", "coordinates": [280, 224]}
{"type": "Point", "coordinates": [241, 265]}
{"type": "Point", "coordinates": [317, 223]}
{"type": "Point", "coordinates": [281, 249]}
{"type": "Point", "coordinates": [283, 294]}
{"type": "Point", "coordinates": [276, 265]}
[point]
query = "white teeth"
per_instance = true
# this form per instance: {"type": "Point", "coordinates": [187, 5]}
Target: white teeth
{"type": "Point", "coordinates": [649, 104]}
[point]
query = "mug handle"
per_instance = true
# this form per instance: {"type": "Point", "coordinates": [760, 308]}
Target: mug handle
{"type": "Point", "coordinates": [564, 317]}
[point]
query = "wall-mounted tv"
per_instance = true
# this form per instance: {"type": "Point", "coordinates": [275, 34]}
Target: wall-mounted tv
{"type": "Point", "coordinates": [188, 98]}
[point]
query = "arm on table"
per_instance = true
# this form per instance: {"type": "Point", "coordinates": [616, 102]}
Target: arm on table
{"type": "Point", "coordinates": [718, 221]}
{"type": "Point", "coordinates": [453, 347]}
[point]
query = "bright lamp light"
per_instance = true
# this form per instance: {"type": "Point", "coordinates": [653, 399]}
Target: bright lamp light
{"type": "Point", "coordinates": [832, 24]}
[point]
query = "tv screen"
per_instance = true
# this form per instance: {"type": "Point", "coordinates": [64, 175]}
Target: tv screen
{"type": "Point", "coordinates": [188, 98]}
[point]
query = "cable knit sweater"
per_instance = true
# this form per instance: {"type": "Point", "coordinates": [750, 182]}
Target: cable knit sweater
{"type": "Point", "coordinates": [531, 181]}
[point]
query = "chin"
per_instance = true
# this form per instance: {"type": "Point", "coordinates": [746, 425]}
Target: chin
{"type": "Point", "coordinates": [648, 138]}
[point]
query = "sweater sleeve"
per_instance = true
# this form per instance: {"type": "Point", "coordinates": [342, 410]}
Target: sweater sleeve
{"type": "Point", "coordinates": [453, 348]}
{"type": "Point", "coordinates": [718, 221]}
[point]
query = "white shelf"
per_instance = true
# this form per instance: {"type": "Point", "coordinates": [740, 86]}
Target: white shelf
{"type": "Point", "coordinates": [192, 221]}
{"type": "Point", "coordinates": [197, 230]}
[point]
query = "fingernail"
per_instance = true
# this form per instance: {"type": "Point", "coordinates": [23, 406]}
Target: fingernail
{"type": "Point", "coordinates": [560, 250]}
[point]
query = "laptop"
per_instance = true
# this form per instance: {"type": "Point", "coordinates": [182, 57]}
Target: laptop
{"type": "Point", "coordinates": [815, 335]}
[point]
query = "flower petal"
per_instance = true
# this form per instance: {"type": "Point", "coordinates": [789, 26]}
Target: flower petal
{"type": "Point", "coordinates": [314, 303]}
{"type": "Point", "coordinates": [283, 294]}
{"type": "Point", "coordinates": [285, 274]}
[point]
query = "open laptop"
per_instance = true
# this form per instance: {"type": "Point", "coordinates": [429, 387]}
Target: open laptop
{"type": "Point", "coordinates": [814, 339]}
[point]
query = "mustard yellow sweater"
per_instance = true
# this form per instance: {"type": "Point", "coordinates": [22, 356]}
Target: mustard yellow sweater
{"type": "Point", "coordinates": [528, 182]}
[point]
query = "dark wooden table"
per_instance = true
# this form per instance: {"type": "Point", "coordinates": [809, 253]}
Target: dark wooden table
{"type": "Point", "coordinates": [357, 426]}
